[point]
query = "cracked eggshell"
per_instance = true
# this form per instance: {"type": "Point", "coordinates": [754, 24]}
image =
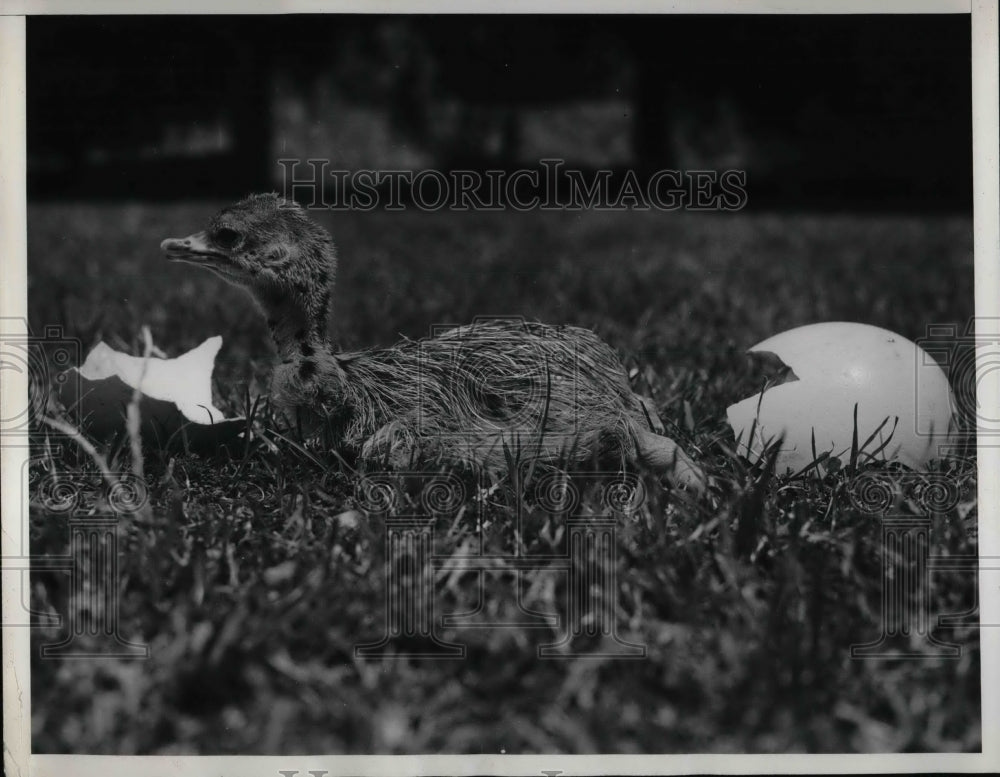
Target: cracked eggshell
{"type": "Point", "coordinates": [177, 396]}
{"type": "Point", "coordinates": [838, 365]}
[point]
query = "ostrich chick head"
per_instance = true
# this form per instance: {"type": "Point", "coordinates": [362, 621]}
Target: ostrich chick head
{"type": "Point", "coordinates": [270, 247]}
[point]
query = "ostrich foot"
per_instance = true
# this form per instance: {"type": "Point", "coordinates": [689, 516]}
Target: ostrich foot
{"type": "Point", "coordinates": [667, 458]}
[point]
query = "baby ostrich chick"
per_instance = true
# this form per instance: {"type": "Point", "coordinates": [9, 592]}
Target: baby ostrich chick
{"type": "Point", "coordinates": [472, 394]}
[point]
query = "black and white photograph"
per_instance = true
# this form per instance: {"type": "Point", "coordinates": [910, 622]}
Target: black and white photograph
{"type": "Point", "coordinates": [618, 383]}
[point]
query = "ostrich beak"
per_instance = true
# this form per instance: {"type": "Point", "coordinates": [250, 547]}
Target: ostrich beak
{"type": "Point", "coordinates": [194, 249]}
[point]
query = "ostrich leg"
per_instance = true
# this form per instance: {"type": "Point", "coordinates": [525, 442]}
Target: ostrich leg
{"type": "Point", "coordinates": [666, 457]}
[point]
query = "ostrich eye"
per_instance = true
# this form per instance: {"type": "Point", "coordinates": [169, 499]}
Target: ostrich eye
{"type": "Point", "coordinates": [226, 238]}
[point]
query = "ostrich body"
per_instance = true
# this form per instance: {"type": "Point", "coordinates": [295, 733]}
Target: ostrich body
{"type": "Point", "coordinates": [472, 394]}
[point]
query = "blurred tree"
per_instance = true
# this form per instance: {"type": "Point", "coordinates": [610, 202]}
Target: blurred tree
{"type": "Point", "coordinates": [104, 92]}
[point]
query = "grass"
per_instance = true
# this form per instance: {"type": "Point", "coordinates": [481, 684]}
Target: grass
{"type": "Point", "coordinates": [254, 575]}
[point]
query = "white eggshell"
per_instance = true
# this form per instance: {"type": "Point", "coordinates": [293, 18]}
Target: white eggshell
{"type": "Point", "coordinates": [176, 396]}
{"type": "Point", "coordinates": [186, 381]}
{"type": "Point", "coordinates": [840, 365]}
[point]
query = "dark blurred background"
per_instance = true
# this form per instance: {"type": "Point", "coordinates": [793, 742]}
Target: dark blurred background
{"type": "Point", "coordinates": [845, 112]}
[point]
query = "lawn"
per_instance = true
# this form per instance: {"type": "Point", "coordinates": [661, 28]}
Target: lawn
{"type": "Point", "coordinates": [255, 574]}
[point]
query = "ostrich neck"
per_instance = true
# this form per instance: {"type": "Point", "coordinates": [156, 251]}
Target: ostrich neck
{"type": "Point", "coordinates": [310, 375]}
{"type": "Point", "coordinates": [298, 327]}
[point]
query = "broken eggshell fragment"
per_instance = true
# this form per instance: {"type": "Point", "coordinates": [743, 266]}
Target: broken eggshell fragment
{"type": "Point", "coordinates": [176, 409]}
{"type": "Point", "coordinates": [904, 402]}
